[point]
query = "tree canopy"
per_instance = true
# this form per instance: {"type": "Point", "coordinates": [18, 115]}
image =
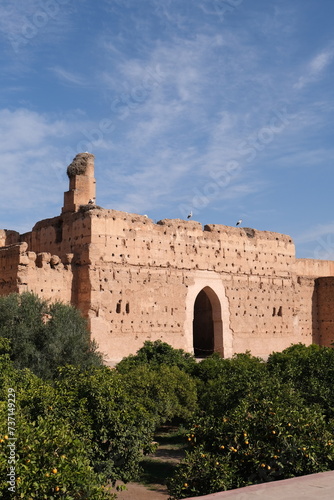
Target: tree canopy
{"type": "Point", "coordinates": [46, 335]}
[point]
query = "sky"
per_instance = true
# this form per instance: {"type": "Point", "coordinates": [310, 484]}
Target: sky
{"type": "Point", "coordinates": [219, 107]}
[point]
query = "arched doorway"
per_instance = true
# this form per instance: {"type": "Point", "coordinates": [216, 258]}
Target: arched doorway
{"type": "Point", "coordinates": [207, 323]}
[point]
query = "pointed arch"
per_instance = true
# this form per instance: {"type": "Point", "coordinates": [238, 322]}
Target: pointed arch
{"type": "Point", "coordinates": [211, 284]}
{"type": "Point", "coordinates": [207, 323]}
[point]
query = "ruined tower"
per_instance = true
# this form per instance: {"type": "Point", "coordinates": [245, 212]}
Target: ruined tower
{"type": "Point", "coordinates": [82, 186]}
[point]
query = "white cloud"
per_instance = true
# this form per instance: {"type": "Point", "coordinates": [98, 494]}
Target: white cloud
{"type": "Point", "coordinates": [316, 232]}
{"type": "Point", "coordinates": [69, 76]}
{"type": "Point", "coordinates": [315, 68]}
{"type": "Point", "coordinates": [33, 154]}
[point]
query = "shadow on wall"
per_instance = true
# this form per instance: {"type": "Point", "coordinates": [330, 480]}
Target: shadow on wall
{"type": "Point", "coordinates": [8, 237]}
{"type": "Point", "coordinates": [323, 311]}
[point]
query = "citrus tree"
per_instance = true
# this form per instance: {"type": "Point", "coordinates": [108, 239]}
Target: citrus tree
{"type": "Point", "coordinates": [41, 455]}
{"type": "Point", "coordinates": [253, 426]}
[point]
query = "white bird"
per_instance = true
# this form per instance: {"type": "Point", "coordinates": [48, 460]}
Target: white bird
{"type": "Point", "coordinates": [91, 201]}
{"type": "Point", "coordinates": [239, 222]}
{"type": "Point", "coordinates": [189, 216]}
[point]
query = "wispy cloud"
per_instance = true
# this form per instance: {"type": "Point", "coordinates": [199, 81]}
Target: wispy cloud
{"type": "Point", "coordinates": [32, 24]}
{"type": "Point", "coordinates": [33, 173]}
{"type": "Point", "coordinates": [315, 68]}
{"type": "Point", "coordinates": [69, 76]}
{"type": "Point", "coordinates": [182, 108]}
{"type": "Point", "coordinates": [315, 233]}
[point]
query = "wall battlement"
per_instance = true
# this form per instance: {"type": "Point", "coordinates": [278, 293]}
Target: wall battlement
{"type": "Point", "coordinates": [203, 289]}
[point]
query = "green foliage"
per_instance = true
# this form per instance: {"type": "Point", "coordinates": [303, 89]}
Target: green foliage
{"type": "Point", "coordinates": [158, 353]}
{"type": "Point", "coordinates": [101, 410]}
{"type": "Point", "coordinates": [201, 473]}
{"type": "Point", "coordinates": [310, 369]}
{"type": "Point", "coordinates": [44, 336]}
{"type": "Point", "coordinates": [165, 391]}
{"type": "Point", "coordinates": [269, 435]}
{"type": "Point", "coordinates": [160, 377]}
{"type": "Point", "coordinates": [51, 460]}
{"type": "Point", "coordinates": [249, 421]}
{"type": "Point", "coordinates": [222, 383]}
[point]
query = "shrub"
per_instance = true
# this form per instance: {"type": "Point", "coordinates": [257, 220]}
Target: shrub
{"type": "Point", "coordinates": [269, 435]}
{"type": "Point", "coordinates": [111, 425]}
{"type": "Point", "coordinates": [101, 410]}
{"type": "Point", "coordinates": [166, 392]}
{"type": "Point", "coordinates": [222, 383]}
{"type": "Point", "coordinates": [158, 353]}
{"type": "Point", "coordinates": [310, 369]}
{"type": "Point", "coordinates": [51, 461]}
{"type": "Point", "coordinates": [44, 336]}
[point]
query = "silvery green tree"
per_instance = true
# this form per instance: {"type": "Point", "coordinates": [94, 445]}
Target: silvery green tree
{"type": "Point", "coordinates": [46, 335]}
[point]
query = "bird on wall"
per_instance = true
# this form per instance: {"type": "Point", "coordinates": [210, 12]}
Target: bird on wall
{"type": "Point", "coordinates": [91, 201]}
{"type": "Point", "coordinates": [239, 222]}
{"type": "Point", "coordinates": [189, 216]}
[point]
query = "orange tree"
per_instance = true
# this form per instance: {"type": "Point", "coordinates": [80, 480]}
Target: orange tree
{"type": "Point", "coordinates": [157, 353]}
{"type": "Point", "coordinates": [41, 456]}
{"type": "Point", "coordinates": [51, 462]}
{"type": "Point", "coordinates": [252, 427]}
{"type": "Point", "coordinates": [167, 392]}
{"type": "Point", "coordinates": [99, 407]}
{"type": "Point", "coordinates": [310, 369]}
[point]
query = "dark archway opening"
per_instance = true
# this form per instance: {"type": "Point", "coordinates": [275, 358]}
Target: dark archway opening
{"type": "Point", "coordinates": [203, 326]}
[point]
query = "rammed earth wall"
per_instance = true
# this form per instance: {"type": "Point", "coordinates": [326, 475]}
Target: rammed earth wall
{"type": "Point", "coordinates": [216, 288]}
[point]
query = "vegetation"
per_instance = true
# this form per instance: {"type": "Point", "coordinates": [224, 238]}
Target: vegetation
{"type": "Point", "coordinates": [50, 460]}
{"type": "Point", "coordinates": [79, 425]}
{"type": "Point", "coordinates": [45, 336]}
{"type": "Point", "coordinates": [157, 353]}
{"type": "Point", "coordinates": [258, 421]}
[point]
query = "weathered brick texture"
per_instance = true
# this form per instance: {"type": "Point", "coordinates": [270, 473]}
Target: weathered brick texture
{"type": "Point", "coordinates": [137, 280]}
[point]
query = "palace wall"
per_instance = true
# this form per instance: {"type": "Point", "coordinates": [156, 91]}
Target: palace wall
{"type": "Point", "coordinates": [44, 274]}
{"type": "Point", "coordinates": [325, 300]}
{"type": "Point", "coordinates": [142, 274]}
{"type": "Point", "coordinates": [136, 280]}
{"type": "Point", "coordinates": [9, 266]}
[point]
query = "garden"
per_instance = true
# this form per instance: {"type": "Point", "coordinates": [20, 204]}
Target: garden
{"type": "Point", "coordinates": [71, 428]}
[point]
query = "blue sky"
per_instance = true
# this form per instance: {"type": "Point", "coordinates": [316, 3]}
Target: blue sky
{"type": "Point", "coordinates": [222, 107]}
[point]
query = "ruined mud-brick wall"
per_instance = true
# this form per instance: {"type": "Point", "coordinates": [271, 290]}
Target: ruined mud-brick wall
{"type": "Point", "coordinates": [141, 275]}
{"type": "Point", "coordinates": [66, 237]}
{"type": "Point", "coordinates": [8, 237]}
{"type": "Point", "coordinates": [44, 274]}
{"type": "Point", "coordinates": [62, 235]}
{"type": "Point", "coordinates": [312, 301]}
{"type": "Point", "coordinates": [10, 257]}
{"type": "Point", "coordinates": [9, 261]}
{"type": "Point", "coordinates": [136, 280]}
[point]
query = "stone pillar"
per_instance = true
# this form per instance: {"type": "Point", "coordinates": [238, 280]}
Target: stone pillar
{"type": "Point", "coordinates": [82, 188]}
